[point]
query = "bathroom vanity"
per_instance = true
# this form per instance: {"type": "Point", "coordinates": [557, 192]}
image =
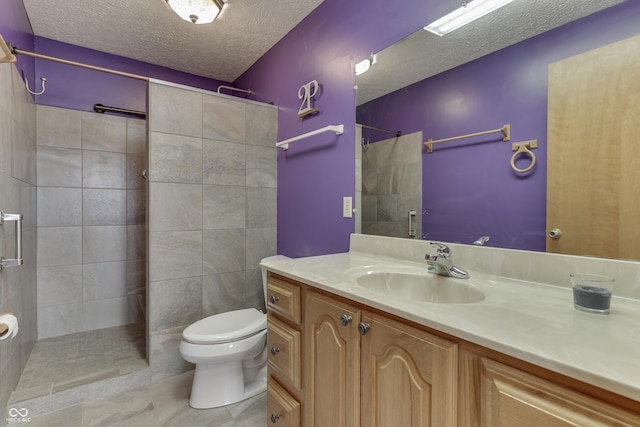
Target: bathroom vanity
{"type": "Point", "coordinates": [344, 354]}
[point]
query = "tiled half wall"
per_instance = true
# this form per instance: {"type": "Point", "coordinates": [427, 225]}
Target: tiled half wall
{"type": "Point", "coordinates": [211, 211]}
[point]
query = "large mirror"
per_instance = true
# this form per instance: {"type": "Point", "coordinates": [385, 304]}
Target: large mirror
{"type": "Point", "coordinates": [511, 67]}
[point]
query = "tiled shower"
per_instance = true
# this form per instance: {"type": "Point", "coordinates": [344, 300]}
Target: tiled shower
{"type": "Point", "coordinates": [115, 249]}
{"type": "Point", "coordinates": [391, 185]}
{"type": "Point", "coordinates": [91, 219]}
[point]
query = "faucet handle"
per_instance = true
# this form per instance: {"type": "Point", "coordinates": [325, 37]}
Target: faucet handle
{"type": "Point", "coordinates": [442, 249]}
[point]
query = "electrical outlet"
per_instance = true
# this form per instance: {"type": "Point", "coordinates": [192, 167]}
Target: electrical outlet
{"type": "Point", "coordinates": [347, 207]}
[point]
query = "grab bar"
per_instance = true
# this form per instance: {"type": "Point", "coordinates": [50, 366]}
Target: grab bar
{"type": "Point", "coordinates": [412, 231]}
{"type": "Point", "coordinates": [4, 262]}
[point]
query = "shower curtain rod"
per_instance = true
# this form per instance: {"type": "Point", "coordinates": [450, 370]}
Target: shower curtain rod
{"type": "Point", "coordinates": [397, 133]}
{"type": "Point", "coordinates": [99, 108]}
{"type": "Point", "coordinates": [17, 51]}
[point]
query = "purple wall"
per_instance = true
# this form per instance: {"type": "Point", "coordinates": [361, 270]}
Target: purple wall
{"type": "Point", "coordinates": [314, 174]}
{"type": "Point", "coordinates": [469, 189]}
{"type": "Point", "coordinates": [79, 88]}
{"type": "Point", "coordinates": [16, 29]}
{"type": "Point", "coordinates": [313, 177]}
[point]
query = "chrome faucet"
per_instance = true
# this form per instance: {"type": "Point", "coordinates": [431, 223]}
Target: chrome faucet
{"type": "Point", "coordinates": [442, 263]}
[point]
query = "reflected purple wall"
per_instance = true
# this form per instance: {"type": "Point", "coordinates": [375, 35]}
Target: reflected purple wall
{"type": "Point", "coordinates": [469, 189]}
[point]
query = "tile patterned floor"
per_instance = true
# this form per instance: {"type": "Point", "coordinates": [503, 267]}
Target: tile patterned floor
{"type": "Point", "coordinates": [75, 362]}
{"type": "Point", "coordinates": [162, 403]}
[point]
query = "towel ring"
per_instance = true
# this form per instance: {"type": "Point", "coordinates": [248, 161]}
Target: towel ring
{"type": "Point", "coordinates": [523, 148]}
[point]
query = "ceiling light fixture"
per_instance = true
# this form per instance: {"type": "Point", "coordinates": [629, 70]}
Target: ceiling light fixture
{"type": "Point", "coordinates": [468, 12]}
{"type": "Point", "coordinates": [196, 11]}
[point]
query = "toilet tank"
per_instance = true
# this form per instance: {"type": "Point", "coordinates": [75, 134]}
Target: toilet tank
{"type": "Point", "coordinates": [264, 273]}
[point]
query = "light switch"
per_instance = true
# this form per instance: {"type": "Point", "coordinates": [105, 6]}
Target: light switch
{"type": "Point", "coordinates": [347, 207]}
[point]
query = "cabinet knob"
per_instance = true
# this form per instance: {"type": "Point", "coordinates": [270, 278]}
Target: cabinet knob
{"type": "Point", "coordinates": [363, 328]}
{"type": "Point", "coordinates": [275, 350]}
{"type": "Point", "coordinates": [345, 319]}
{"type": "Point", "coordinates": [274, 418]}
{"type": "Point", "coordinates": [274, 299]}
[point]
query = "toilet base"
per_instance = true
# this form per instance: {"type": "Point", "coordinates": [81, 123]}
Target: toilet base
{"type": "Point", "coordinates": [222, 384]}
{"type": "Point", "coordinates": [257, 386]}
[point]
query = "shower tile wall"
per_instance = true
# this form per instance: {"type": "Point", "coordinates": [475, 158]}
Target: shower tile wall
{"type": "Point", "coordinates": [91, 220]}
{"type": "Point", "coordinates": [392, 186]}
{"type": "Point", "coordinates": [212, 211]}
{"type": "Point", "coordinates": [17, 195]}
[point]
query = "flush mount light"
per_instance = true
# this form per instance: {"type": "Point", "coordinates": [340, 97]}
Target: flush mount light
{"type": "Point", "coordinates": [365, 64]}
{"type": "Point", "coordinates": [468, 12]}
{"type": "Point", "coordinates": [196, 11]}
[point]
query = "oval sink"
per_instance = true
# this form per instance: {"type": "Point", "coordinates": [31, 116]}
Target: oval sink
{"type": "Point", "coordinates": [418, 286]}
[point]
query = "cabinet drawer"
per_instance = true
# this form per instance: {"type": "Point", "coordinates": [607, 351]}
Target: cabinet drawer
{"type": "Point", "coordinates": [282, 409]}
{"type": "Point", "coordinates": [283, 346]}
{"type": "Point", "coordinates": [284, 298]}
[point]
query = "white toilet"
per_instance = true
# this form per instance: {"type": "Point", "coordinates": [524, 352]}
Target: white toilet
{"type": "Point", "coordinates": [230, 353]}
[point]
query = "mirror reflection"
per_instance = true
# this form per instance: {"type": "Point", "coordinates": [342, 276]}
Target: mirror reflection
{"type": "Point", "coordinates": [509, 67]}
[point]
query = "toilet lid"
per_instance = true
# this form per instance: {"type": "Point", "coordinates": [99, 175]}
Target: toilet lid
{"type": "Point", "coordinates": [225, 327]}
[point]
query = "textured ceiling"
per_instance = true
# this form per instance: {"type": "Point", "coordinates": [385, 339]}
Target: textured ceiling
{"type": "Point", "coordinates": [424, 54]}
{"type": "Point", "coordinates": [149, 31]}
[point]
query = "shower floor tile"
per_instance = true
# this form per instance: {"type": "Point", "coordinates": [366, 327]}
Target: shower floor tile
{"type": "Point", "coordinates": [61, 363]}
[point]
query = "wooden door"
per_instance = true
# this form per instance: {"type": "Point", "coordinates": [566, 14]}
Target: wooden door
{"type": "Point", "coordinates": [332, 364]}
{"type": "Point", "coordinates": [512, 398]}
{"type": "Point", "coordinates": [408, 376]}
{"type": "Point", "coordinates": [593, 176]}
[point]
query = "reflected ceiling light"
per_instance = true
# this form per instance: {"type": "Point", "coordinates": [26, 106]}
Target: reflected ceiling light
{"type": "Point", "coordinates": [196, 11]}
{"type": "Point", "coordinates": [365, 64]}
{"type": "Point", "coordinates": [470, 11]}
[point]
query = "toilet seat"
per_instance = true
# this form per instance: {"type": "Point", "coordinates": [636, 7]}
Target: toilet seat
{"type": "Point", "coordinates": [226, 327]}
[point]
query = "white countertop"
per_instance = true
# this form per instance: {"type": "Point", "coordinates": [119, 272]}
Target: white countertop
{"type": "Point", "coordinates": [530, 321]}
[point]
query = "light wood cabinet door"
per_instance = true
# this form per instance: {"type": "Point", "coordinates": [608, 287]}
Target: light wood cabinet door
{"type": "Point", "coordinates": [513, 398]}
{"type": "Point", "coordinates": [332, 363]}
{"type": "Point", "coordinates": [408, 376]}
